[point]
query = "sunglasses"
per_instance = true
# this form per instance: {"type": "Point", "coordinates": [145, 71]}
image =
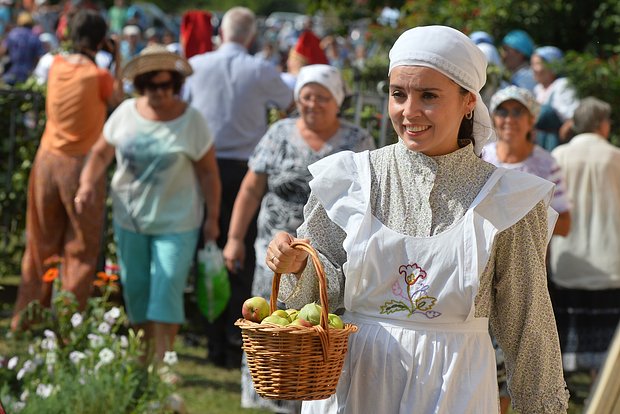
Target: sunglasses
{"type": "Point", "coordinates": [153, 86]}
{"type": "Point", "coordinates": [515, 112]}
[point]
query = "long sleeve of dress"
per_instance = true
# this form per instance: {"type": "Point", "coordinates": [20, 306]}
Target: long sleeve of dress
{"type": "Point", "coordinates": [522, 318]}
{"type": "Point", "coordinates": [325, 236]}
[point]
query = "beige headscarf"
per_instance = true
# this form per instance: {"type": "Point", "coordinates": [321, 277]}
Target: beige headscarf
{"type": "Point", "coordinates": [454, 55]}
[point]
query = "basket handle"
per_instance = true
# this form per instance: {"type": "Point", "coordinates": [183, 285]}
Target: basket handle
{"type": "Point", "coordinates": [323, 327]}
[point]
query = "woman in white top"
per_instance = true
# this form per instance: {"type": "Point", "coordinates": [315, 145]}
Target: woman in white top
{"type": "Point", "coordinates": [165, 174]}
{"type": "Point", "coordinates": [424, 245]}
{"type": "Point", "coordinates": [514, 111]}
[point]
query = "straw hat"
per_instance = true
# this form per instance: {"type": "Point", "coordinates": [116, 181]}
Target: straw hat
{"type": "Point", "coordinates": [156, 58]}
{"type": "Point", "coordinates": [24, 19]}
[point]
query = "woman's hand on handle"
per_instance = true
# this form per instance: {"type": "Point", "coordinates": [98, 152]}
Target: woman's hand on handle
{"type": "Point", "coordinates": [282, 258]}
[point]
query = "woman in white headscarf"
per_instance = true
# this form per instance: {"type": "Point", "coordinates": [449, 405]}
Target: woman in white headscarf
{"type": "Point", "coordinates": [424, 244]}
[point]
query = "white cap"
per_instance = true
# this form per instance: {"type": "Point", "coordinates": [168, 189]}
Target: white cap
{"type": "Point", "coordinates": [325, 75]}
{"type": "Point", "coordinates": [456, 56]}
{"type": "Point", "coordinates": [131, 29]}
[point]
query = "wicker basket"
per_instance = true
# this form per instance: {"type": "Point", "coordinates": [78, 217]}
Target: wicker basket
{"type": "Point", "coordinates": [296, 362]}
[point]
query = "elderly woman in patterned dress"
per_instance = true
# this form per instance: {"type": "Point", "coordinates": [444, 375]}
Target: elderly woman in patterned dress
{"type": "Point", "coordinates": [425, 245]}
{"type": "Point", "coordinates": [276, 184]}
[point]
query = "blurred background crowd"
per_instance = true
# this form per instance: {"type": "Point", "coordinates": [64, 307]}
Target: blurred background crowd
{"type": "Point", "coordinates": [550, 94]}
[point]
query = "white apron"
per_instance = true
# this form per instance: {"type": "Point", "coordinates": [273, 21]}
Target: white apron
{"type": "Point", "coordinates": [419, 348]}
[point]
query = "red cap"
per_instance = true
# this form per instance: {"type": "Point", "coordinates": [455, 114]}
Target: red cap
{"type": "Point", "coordinates": [308, 47]}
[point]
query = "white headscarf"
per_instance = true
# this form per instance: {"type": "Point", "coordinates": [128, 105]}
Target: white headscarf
{"type": "Point", "coordinates": [325, 75]}
{"type": "Point", "coordinates": [454, 55]}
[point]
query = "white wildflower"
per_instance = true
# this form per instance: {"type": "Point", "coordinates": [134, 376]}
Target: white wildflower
{"type": "Point", "coordinates": [49, 334]}
{"type": "Point", "coordinates": [24, 396]}
{"type": "Point", "coordinates": [28, 367]}
{"type": "Point", "coordinates": [106, 355]}
{"type": "Point", "coordinates": [31, 350]}
{"type": "Point", "coordinates": [124, 341]}
{"type": "Point", "coordinates": [12, 363]}
{"type": "Point", "coordinates": [104, 328]}
{"type": "Point", "coordinates": [96, 341]}
{"type": "Point", "coordinates": [170, 358]}
{"type": "Point", "coordinates": [112, 315]}
{"type": "Point", "coordinates": [44, 390]}
{"type": "Point", "coordinates": [76, 319]}
{"type": "Point", "coordinates": [76, 357]}
{"type": "Point", "coordinates": [48, 344]}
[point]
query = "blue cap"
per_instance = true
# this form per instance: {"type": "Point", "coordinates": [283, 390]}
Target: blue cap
{"type": "Point", "coordinates": [481, 37]}
{"type": "Point", "coordinates": [549, 53]}
{"type": "Point", "coordinates": [520, 41]}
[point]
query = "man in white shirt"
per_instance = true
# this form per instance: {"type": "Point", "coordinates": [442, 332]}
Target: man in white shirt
{"type": "Point", "coordinates": [234, 90]}
{"type": "Point", "coordinates": [585, 264]}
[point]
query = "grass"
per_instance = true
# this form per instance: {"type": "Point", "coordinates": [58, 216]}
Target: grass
{"type": "Point", "coordinates": [206, 388]}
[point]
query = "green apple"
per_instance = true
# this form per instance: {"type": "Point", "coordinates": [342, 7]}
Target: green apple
{"type": "Point", "coordinates": [311, 312]}
{"type": "Point", "coordinates": [292, 314]}
{"type": "Point", "coordinates": [275, 319]}
{"type": "Point", "coordinates": [282, 313]}
{"type": "Point", "coordinates": [335, 321]}
{"type": "Point", "coordinates": [255, 309]}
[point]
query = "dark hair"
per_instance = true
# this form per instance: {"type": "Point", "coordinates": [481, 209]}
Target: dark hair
{"type": "Point", "coordinates": [140, 81]}
{"type": "Point", "coordinates": [466, 130]}
{"type": "Point", "coordinates": [87, 29]}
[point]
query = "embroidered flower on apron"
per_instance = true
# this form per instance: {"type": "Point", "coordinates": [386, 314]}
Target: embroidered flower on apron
{"type": "Point", "coordinates": [415, 297]}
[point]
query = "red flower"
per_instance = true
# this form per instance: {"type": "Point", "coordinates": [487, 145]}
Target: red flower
{"type": "Point", "coordinates": [106, 279]}
{"type": "Point", "coordinates": [51, 274]}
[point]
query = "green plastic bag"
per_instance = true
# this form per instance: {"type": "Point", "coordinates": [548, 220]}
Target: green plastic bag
{"type": "Point", "coordinates": [212, 284]}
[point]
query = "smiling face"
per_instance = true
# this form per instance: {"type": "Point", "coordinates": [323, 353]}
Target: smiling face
{"type": "Point", "coordinates": [317, 106]}
{"type": "Point", "coordinates": [426, 109]}
{"type": "Point", "coordinates": [513, 122]}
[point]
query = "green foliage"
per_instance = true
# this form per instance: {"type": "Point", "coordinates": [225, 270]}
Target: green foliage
{"type": "Point", "coordinates": [569, 25]}
{"type": "Point", "coordinates": [598, 77]}
{"type": "Point", "coordinates": [260, 7]}
{"type": "Point", "coordinates": [81, 362]}
{"type": "Point", "coordinates": [22, 118]}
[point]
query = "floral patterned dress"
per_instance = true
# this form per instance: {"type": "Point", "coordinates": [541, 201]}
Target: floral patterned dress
{"type": "Point", "coordinates": [283, 155]}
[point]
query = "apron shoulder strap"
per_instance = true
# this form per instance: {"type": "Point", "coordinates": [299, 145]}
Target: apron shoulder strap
{"type": "Point", "coordinates": [513, 196]}
{"type": "Point", "coordinates": [342, 183]}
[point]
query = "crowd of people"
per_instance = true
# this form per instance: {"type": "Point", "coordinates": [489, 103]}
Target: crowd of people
{"type": "Point", "coordinates": [492, 221]}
